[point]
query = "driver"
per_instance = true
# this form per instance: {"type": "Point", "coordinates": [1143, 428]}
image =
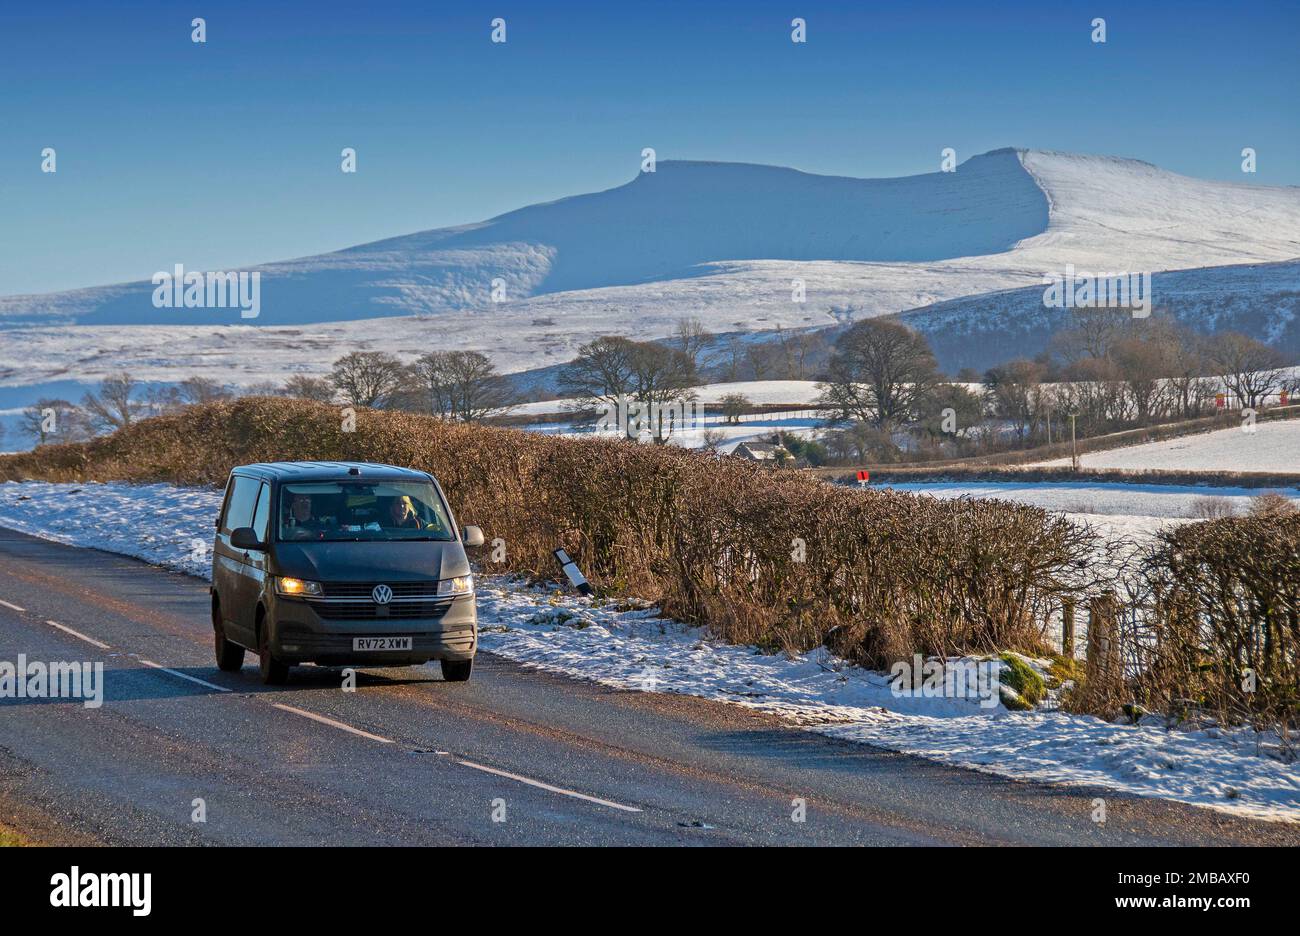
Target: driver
{"type": "Point", "coordinates": [301, 524]}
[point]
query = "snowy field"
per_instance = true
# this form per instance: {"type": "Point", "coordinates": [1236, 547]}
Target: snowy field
{"type": "Point", "coordinates": [1155, 502]}
{"type": "Point", "coordinates": [637, 650]}
{"type": "Point", "coordinates": [794, 393]}
{"type": "Point", "coordinates": [799, 420]}
{"type": "Point", "coordinates": [1272, 446]}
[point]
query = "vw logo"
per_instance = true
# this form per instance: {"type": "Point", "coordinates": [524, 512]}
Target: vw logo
{"type": "Point", "coordinates": [382, 594]}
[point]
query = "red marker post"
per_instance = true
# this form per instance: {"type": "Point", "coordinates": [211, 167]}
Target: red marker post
{"type": "Point", "coordinates": [863, 476]}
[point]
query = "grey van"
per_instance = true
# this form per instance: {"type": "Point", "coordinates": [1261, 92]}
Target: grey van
{"type": "Point", "coordinates": [341, 564]}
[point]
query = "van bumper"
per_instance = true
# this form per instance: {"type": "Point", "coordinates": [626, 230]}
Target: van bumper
{"type": "Point", "coordinates": [300, 635]}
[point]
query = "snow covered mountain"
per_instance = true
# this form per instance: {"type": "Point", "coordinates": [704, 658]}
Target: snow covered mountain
{"type": "Point", "coordinates": [723, 242]}
{"type": "Point", "coordinates": [660, 226]}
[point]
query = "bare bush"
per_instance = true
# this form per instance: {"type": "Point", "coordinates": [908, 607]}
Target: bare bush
{"type": "Point", "coordinates": [1219, 635]}
{"type": "Point", "coordinates": [1272, 504]}
{"type": "Point", "coordinates": [1212, 508]}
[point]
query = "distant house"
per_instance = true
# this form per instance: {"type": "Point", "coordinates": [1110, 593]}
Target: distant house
{"type": "Point", "coordinates": [762, 452]}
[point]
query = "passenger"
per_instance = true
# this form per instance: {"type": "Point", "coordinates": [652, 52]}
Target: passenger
{"type": "Point", "coordinates": [402, 514]}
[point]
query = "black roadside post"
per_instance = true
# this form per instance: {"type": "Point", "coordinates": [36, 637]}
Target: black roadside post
{"type": "Point", "coordinates": [575, 576]}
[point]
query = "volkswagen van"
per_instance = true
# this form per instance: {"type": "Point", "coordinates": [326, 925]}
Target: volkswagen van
{"type": "Point", "coordinates": [341, 564]}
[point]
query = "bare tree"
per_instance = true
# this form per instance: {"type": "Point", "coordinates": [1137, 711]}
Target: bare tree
{"type": "Point", "coordinates": [733, 405]}
{"type": "Point", "coordinates": [1094, 392]}
{"type": "Point", "coordinates": [115, 405]}
{"type": "Point", "coordinates": [367, 378]}
{"type": "Point", "coordinates": [1249, 368]}
{"type": "Point", "coordinates": [1091, 334]}
{"type": "Point", "coordinates": [690, 338]}
{"type": "Point", "coordinates": [732, 358]}
{"type": "Point", "coordinates": [461, 385]}
{"type": "Point", "coordinates": [878, 373]}
{"type": "Point", "coordinates": [613, 370]}
{"type": "Point", "coordinates": [662, 377]}
{"type": "Point", "coordinates": [714, 439]}
{"type": "Point", "coordinates": [601, 373]}
{"type": "Point", "coordinates": [951, 399]}
{"type": "Point", "coordinates": [304, 387]}
{"type": "Point", "coordinates": [202, 390]}
{"type": "Point", "coordinates": [51, 421]}
{"type": "Point", "coordinates": [796, 348]}
{"type": "Point", "coordinates": [1145, 362]}
{"type": "Point", "coordinates": [1187, 369]}
{"type": "Point", "coordinates": [760, 359]}
{"type": "Point", "coordinates": [1015, 393]}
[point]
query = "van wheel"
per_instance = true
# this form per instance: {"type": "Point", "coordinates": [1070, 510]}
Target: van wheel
{"type": "Point", "coordinates": [457, 670]}
{"type": "Point", "coordinates": [274, 673]}
{"type": "Point", "coordinates": [230, 657]}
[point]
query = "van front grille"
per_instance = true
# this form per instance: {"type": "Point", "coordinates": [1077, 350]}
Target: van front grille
{"type": "Point", "coordinates": [343, 610]}
{"type": "Point", "coordinates": [362, 590]}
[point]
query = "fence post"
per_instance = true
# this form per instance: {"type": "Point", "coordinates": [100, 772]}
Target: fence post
{"type": "Point", "coordinates": [1067, 628]}
{"type": "Point", "coordinates": [1103, 641]}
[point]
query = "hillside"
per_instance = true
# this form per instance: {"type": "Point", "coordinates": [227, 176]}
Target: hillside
{"type": "Point", "coordinates": [1256, 299]}
{"type": "Point", "coordinates": [719, 241]}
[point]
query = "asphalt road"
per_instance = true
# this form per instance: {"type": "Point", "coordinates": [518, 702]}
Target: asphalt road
{"type": "Point", "coordinates": [515, 756]}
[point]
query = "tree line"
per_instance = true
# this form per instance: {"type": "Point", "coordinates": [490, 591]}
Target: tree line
{"type": "Point", "coordinates": [457, 385]}
{"type": "Point", "coordinates": [884, 394]}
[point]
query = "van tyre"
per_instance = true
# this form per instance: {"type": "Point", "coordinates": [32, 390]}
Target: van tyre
{"type": "Point", "coordinates": [457, 670]}
{"type": "Point", "coordinates": [274, 673]}
{"type": "Point", "coordinates": [230, 656]}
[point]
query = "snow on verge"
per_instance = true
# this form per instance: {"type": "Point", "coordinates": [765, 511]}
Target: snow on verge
{"type": "Point", "coordinates": [630, 648]}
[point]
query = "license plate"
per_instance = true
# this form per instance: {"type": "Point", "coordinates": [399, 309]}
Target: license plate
{"type": "Point", "coordinates": [381, 643]}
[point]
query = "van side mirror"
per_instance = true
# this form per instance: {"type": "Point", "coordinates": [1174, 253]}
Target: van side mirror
{"type": "Point", "coordinates": [245, 538]}
{"type": "Point", "coordinates": [472, 536]}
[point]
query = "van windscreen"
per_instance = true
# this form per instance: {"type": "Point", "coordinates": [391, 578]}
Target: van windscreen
{"type": "Point", "coordinates": [382, 511]}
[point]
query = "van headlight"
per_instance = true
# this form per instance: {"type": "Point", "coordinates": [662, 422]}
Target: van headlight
{"type": "Point", "coordinates": [460, 585]}
{"type": "Point", "coordinates": [297, 588]}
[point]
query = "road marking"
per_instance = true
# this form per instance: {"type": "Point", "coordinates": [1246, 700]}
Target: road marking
{"type": "Point", "coordinates": [13, 607]}
{"type": "Point", "coordinates": [546, 786]}
{"type": "Point", "coordinates": [332, 723]}
{"type": "Point", "coordinates": [348, 728]}
{"type": "Point", "coordinates": [193, 679]}
{"type": "Point", "coordinates": [79, 635]}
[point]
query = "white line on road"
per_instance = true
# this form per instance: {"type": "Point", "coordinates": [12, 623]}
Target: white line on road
{"type": "Point", "coordinates": [79, 635]}
{"type": "Point", "coordinates": [193, 679]}
{"type": "Point", "coordinates": [348, 728]}
{"type": "Point", "coordinates": [13, 607]}
{"type": "Point", "coordinates": [332, 723]}
{"type": "Point", "coordinates": [546, 786]}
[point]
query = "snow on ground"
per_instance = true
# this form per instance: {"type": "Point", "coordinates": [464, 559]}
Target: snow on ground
{"type": "Point", "coordinates": [1272, 446]}
{"type": "Point", "coordinates": [1154, 501]}
{"type": "Point", "coordinates": [799, 420]}
{"type": "Point", "coordinates": [794, 393]}
{"type": "Point", "coordinates": [629, 647]}
{"type": "Point", "coordinates": [758, 427]}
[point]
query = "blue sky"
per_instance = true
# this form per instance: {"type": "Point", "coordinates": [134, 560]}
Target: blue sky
{"type": "Point", "coordinates": [227, 154]}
